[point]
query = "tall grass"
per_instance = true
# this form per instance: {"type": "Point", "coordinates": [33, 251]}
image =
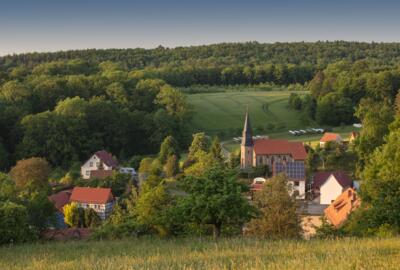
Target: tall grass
{"type": "Point", "coordinates": [205, 254]}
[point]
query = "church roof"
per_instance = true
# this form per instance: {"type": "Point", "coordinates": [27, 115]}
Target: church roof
{"type": "Point", "coordinates": [280, 147]}
{"type": "Point", "coordinates": [247, 136]}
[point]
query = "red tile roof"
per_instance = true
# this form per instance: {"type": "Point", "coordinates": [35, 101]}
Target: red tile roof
{"type": "Point", "coordinates": [107, 158]}
{"type": "Point", "coordinates": [327, 137]}
{"type": "Point", "coordinates": [91, 195]}
{"type": "Point", "coordinates": [100, 174]}
{"type": "Point", "coordinates": [60, 199]}
{"type": "Point", "coordinates": [280, 147]}
{"type": "Point", "coordinates": [338, 211]}
{"type": "Point", "coordinates": [320, 178]}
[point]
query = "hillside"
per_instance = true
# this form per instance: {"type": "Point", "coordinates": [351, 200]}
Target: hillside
{"type": "Point", "coordinates": [223, 113]}
{"type": "Point", "coordinates": [205, 254]}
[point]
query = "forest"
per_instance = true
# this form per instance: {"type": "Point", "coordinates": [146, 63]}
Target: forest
{"type": "Point", "coordinates": [65, 105]}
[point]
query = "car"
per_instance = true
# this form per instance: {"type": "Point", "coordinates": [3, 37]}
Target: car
{"type": "Point", "coordinates": [302, 131]}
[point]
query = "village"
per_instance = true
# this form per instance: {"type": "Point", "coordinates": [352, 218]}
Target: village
{"type": "Point", "coordinates": [322, 195]}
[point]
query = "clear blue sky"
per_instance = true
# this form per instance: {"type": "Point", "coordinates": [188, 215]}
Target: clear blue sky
{"type": "Point", "coordinates": [51, 25]}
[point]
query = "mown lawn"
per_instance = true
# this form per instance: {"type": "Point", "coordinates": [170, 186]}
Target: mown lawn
{"type": "Point", "coordinates": [205, 254]}
{"type": "Point", "coordinates": [216, 112]}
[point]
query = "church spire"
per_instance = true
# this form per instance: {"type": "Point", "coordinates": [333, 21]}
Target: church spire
{"type": "Point", "coordinates": [247, 135]}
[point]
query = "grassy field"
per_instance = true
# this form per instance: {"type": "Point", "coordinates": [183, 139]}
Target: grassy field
{"type": "Point", "coordinates": [205, 254]}
{"type": "Point", "coordinates": [216, 112]}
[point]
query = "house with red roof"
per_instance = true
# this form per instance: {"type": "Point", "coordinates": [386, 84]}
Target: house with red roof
{"type": "Point", "coordinates": [330, 137]}
{"type": "Point", "coordinates": [265, 151]}
{"type": "Point", "coordinates": [340, 209]}
{"type": "Point", "coordinates": [329, 185]}
{"type": "Point", "coordinates": [100, 200]}
{"type": "Point", "coordinates": [99, 165]}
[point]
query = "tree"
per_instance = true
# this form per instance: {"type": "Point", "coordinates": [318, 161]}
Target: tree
{"type": "Point", "coordinates": [334, 109]}
{"type": "Point", "coordinates": [33, 170]}
{"type": "Point", "coordinates": [92, 220]}
{"type": "Point", "coordinates": [168, 148]}
{"type": "Point", "coordinates": [215, 199]}
{"type": "Point", "coordinates": [14, 225]}
{"type": "Point", "coordinates": [278, 217]}
{"type": "Point", "coordinates": [72, 215]}
{"type": "Point", "coordinates": [153, 208]}
{"type": "Point", "coordinates": [216, 150]}
{"type": "Point", "coordinates": [173, 101]}
{"type": "Point", "coordinates": [375, 118]}
{"type": "Point", "coordinates": [380, 188]}
{"type": "Point", "coordinates": [199, 143]}
{"type": "Point", "coordinates": [171, 167]}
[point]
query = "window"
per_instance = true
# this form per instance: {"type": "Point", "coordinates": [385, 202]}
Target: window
{"type": "Point", "coordinates": [296, 184]}
{"type": "Point", "coordinates": [91, 164]}
{"type": "Point", "coordinates": [97, 164]}
{"type": "Point", "coordinates": [87, 173]}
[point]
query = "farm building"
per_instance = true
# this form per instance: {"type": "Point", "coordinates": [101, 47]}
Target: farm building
{"type": "Point", "coordinates": [99, 199]}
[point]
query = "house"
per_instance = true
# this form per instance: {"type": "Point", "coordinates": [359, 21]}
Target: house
{"type": "Point", "coordinates": [99, 161]}
{"type": "Point", "coordinates": [59, 200]}
{"type": "Point", "coordinates": [339, 210]}
{"type": "Point", "coordinates": [265, 151]}
{"type": "Point", "coordinates": [353, 136]}
{"type": "Point", "coordinates": [296, 173]}
{"type": "Point", "coordinates": [329, 185]}
{"type": "Point", "coordinates": [99, 199]}
{"type": "Point", "coordinates": [330, 137]}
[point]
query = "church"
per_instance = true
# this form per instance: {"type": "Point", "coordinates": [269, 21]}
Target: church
{"type": "Point", "coordinates": [281, 156]}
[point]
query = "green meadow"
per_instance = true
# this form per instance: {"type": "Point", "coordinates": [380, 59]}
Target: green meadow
{"type": "Point", "coordinates": [224, 111]}
{"type": "Point", "coordinates": [194, 253]}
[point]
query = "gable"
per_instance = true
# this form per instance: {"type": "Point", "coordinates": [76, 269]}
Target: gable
{"type": "Point", "coordinates": [331, 184]}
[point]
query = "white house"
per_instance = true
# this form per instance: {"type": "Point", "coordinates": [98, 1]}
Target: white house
{"type": "Point", "coordinates": [100, 161]}
{"type": "Point", "coordinates": [329, 185]}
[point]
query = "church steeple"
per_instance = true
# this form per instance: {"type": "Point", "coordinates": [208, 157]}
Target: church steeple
{"type": "Point", "coordinates": [247, 135]}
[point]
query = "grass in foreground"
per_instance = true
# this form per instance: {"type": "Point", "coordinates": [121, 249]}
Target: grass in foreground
{"type": "Point", "coordinates": [205, 254]}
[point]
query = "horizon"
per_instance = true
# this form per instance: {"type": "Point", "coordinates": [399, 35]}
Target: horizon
{"type": "Point", "coordinates": [199, 45]}
{"type": "Point", "coordinates": [48, 26]}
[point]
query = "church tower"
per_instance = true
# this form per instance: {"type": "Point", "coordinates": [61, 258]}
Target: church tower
{"type": "Point", "coordinates": [246, 148]}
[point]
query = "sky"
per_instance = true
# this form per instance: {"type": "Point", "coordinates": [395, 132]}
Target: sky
{"type": "Point", "coordinates": [53, 25]}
